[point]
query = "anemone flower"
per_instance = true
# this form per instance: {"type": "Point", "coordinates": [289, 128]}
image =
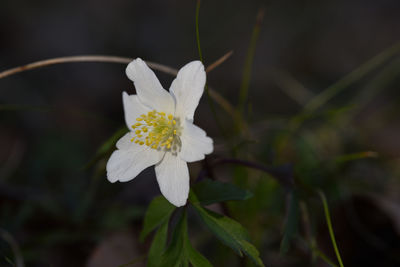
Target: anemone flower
{"type": "Point", "coordinates": [162, 132]}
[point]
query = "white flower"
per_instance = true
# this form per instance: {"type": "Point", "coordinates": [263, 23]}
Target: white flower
{"type": "Point", "coordinates": [162, 132]}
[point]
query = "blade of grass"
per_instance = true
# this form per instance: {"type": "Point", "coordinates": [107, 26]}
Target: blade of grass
{"type": "Point", "coordinates": [325, 258]}
{"type": "Point", "coordinates": [197, 31]}
{"type": "Point", "coordinates": [355, 156]}
{"type": "Point", "coordinates": [385, 77]}
{"type": "Point", "coordinates": [210, 102]}
{"type": "Point", "coordinates": [290, 86]}
{"type": "Point", "coordinates": [311, 241]}
{"type": "Point", "coordinates": [244, 87]}
{"type": "Point", "coordinates": [330, 228]}
{"type": "Point", "coordinates": [322, 98]}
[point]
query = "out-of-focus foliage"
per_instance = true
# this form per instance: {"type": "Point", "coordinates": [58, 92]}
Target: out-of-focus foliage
{"type": "Point", "coordinates": [314, 92]}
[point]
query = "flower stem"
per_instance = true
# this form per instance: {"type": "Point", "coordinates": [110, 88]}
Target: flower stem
{"type": "Point", "coordinates": [330, 228]}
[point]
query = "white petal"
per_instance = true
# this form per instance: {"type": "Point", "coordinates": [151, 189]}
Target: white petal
{"type": "Point", "coordinates": [173, 178]}
{"type": "Point", "coordinates": [133, 108]}
{"type": "Point", "coordinates": [187, 89]}
{"type": "Point", "coordinates": [195, 143]}
{"type": "Point", "coordinates": [130, 159]}
{"type": "Point", "coordinates": [148, 88]}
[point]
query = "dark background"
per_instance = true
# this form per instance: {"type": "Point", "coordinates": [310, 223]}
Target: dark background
{"type": "Point", "coordinates": [60, 115]}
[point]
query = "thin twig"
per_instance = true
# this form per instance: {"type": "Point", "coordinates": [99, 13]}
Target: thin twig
{"type": "Point", "coordinates": [85, 58]}
{"type": "Point", "coordinates": [283, 174]}
{"type": "Point", "coordinates": [219, 61]}
{"type": "Point", "coordinates": [121, 60]}
{"type": "Point", "coordinates": [104, 59]}
{"type": "Point", "coordinates": [290, 86]}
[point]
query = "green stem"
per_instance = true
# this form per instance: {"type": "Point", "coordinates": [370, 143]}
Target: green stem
{"type": "Point", "coordinates": [330, 228]}
{"type": "Point", "coordinates": [210, 101]}
{"type": "Point", "coordinates": [197, 30]}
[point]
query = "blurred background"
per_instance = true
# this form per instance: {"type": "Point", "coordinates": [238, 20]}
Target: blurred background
{"type": "Point", "coordinates": [58, 209]}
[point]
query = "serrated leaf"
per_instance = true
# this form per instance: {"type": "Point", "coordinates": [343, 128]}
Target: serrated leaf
{"type": "Point", "coordinates": [158, 212]}
{"type": "Point", "coordinates": [229, 231]}
{"type": "Point", "coordinates": [158, 246]}
{"type": "Point", "coordinates": [291, 224]}
{"type": "Point", "coordinates": [209, 192]}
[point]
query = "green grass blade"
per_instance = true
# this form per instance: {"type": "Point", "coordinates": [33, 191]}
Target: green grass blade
{"type": "Point", "coordinates": [197, 30]}
{"type": "Point", "coordinates": [349, 79]}
{"type": "Point", "coordinates": [244, 87]}
{"type": "Point", "coordinates": [322, 98]}
{"type": "Point", "coordinates": [330, 228]}
{"type": "Point", "coordinates": [210, 101]}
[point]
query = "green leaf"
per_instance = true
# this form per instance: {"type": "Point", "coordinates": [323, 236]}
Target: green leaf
{"type": "Point", "coordinates": [251, 251]}
{"type": "Point", "coordinates": [175, 254]}
{"type": "Point", "coordinates": [291, 224]}
{"type": "Point", "coordinates": [195, 258]}
{"type": "Point", "coordinates": [158, 212]}
{"type": "Point", "coordinates": [230, 232]}
{"type": "Point", "coordinates": [209, 191]}
{"type": "Point", "coordinates": [158, 246]}
{"type": "Point", "coordinates": [180, 252]}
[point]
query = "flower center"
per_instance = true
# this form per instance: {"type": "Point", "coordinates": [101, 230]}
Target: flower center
{"type": "Point", "coordinates": [158, 131]}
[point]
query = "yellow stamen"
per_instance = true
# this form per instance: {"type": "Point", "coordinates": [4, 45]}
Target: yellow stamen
{"type": "Point", "coordinates": [157, 130]}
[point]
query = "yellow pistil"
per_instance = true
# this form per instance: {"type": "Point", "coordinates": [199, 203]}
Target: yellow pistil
{"type": "Point", "coordinates": [158, 130]}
